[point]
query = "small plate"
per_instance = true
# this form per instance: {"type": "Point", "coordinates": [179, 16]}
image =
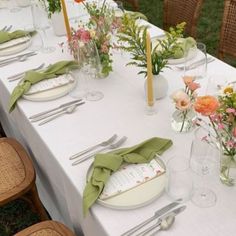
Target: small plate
{"type": "Point", "coordinates": [14, 46]}
{"type": "Point", "coordinates": [51, 94]}
{"type": "Point", "coordinates": [147, 192]}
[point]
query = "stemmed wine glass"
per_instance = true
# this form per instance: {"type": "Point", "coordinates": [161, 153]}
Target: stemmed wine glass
{"type": "Point", "coordinates": [41, 23]}
{"type": "Point", "coordinates": [90, 66]}
{"type": "Point", "coordinates": [204, 161]}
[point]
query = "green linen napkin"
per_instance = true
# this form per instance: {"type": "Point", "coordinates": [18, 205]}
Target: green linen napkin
{"type": "Point", "coordinates": [136, 15]}
{"type": "Point", "coordinates": [6, 36]}
{"type": "Point", "coordinates": [105, 164]}
{"type": "Point", "coordinates": [183, 46]}
{"type": "Point", "coordinates": [33, 77]}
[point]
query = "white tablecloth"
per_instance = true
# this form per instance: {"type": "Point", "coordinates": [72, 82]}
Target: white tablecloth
{"type": "Point", "coordinates": [121, 111]}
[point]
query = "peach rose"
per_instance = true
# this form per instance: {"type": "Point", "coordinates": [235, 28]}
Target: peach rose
{"type": "Point", "coordinates": [193, 86]}
{"type": "Point", "coordinates": [179, 94]}
{"type": "Point", "coordinates": [206, 105]}
{"type": "Point", "coordinates": [183, 104]}
{"type": "Point", "coordinates": [188, 79]}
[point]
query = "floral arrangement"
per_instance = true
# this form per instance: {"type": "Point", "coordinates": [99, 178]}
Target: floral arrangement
{"type": "Point", "coordinates": [221, 112]}
{"type": "Point", "coordinates": [134, 38]}
{"type": "Point", "coordinates": [184, 100]}
{"type": "Point", "coordinates": [100, 27]}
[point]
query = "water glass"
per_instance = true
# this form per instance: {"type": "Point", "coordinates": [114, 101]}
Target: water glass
{"type": "Point", "coordinates": [204, 162]}
{"type": "Point", "coordinates": [195, 61]}
{"type": "Point", "coordinates": [179, 182]}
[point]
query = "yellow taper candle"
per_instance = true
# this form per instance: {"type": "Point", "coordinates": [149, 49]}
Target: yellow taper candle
{"type": "Point", "coordinates": [150, 99]}
{"type": "Point", "coordinates": [66, 19]}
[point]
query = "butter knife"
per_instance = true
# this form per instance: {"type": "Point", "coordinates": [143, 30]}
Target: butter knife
{"type": "Point", "coordinates": [171, 213]}
{"type": "Point", "coordinates": [157, 214]}
{"type": "Point", "coordinates": [196, 64]}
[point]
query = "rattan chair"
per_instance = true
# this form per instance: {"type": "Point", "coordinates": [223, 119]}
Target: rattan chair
{"type": "Point", "coordinates": [133, 3]}
{"type": "Point", "coordinates": [46, 228]}
{"type": "Point", "coordinates": [227, 45]}
{"type": "Point", "coordinates": [177, 11]}
{"type": "Point", "coordinates": [17, 178]}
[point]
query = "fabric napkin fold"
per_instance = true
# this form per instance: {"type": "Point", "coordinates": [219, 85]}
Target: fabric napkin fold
{"type": "Point", "coordinates": [33, 77]}
{"type": "Point", "coordinates": [7, 36]}
{"type": "Point", "coordinates": [105, 164]}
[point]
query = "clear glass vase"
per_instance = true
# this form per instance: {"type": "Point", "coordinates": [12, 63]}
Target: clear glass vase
{"type": "Point", "coordinates": [228, 169]}
{"type": "Point", "coordinates": [183, 121]}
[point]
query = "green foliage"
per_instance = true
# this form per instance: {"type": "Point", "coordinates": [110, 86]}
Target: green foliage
{"type": "Point", "coordinates": [133, 37]}
{"type": "Point", "coordinates": [52, 6]}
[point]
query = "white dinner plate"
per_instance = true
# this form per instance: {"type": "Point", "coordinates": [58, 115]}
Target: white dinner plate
{"type": "Point", "coordinates": [136, 197]}
{"type": "Point", "coordinates": [52, 93]}
{"type": "Point", "coordinates": [15, 46]}
{"type": "Point", "coordinates": [171, 61]}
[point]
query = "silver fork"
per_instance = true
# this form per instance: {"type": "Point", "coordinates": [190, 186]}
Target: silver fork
{"type": "Point", "coordinates": [102, 144]}
{"type": "Point", "coordinates": [112, 146]}
{"type": "Point", "coordinates": [6, 28]}
{"type": "Point", "coordinates": [19, 75]}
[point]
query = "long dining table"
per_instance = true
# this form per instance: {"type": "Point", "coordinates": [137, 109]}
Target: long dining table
{"type": "Point", "coordinates": [122, 111]}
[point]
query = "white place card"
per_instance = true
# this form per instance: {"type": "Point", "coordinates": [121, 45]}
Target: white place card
{"type": "Point", "coordinates": [131, 176]}
{"type": "Point", "coordinates": [48, 84]}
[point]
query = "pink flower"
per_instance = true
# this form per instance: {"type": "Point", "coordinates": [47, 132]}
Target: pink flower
{"type": "Point", "coordinates": [85, 36]}
{"type": "Point", "coordinates": [193, 86]}
{"type": "Point", "coordinates": [220, 126]}
{"type": "Point", "coordinates": [231, 110]}
{"type": "Point", "coordinates": [234, 132]}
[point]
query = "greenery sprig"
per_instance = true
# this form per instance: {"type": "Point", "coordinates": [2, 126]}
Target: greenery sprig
{"type": "Point", "coordinates": [133, 37]}
{"type": "Point", "coordinates": [51, 6]}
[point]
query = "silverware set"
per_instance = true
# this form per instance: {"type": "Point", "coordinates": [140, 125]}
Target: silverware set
{"type": "Point", "coordinates": [20, 75]}
{"type": "Point", "coordinates": [51, 114]}
{"type": "Point", "coordinates": [18, 58]}
{"type": "Point", "coordinates": [195, 64]}
{"type": "Point", "coordinates": [164, 217]}
{"type": "Point", "coordinates": [107, 144]}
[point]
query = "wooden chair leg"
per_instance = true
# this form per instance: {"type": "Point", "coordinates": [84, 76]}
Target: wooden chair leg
{"type": "Point", "coordinates": [37, 203]}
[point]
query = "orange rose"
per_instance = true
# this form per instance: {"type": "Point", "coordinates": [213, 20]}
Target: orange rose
{"type": "Point", "coordinates": [206, 105]}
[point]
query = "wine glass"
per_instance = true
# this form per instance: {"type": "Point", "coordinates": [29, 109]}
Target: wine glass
{"type": "Point", "coordinates": [90, 65]}
{"type": "Point", "coordinates": [195, 61]}
{"type": "Point", "coordinates": [204, 162]}
{"type": "Point", "coordinates": [41, 24]}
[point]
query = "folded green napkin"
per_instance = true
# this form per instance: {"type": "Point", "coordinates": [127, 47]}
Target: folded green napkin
{"type": "Point", "coordinates": [183, 45]}
{"type": "Point", "coordinates": [105, 164]}
{"type": "Point", "coordinates": [136, 15]}
{"type": "Point", "coordinates": [7, 36]}
{"type": "Point", "coordinates": [33, 77]}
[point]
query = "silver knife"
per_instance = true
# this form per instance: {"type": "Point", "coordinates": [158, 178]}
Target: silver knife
{"type": "Point", "coordinates": [171, 213]}
{"type": "Point", "coordinates": [10, 46]}
{"type": "Point", "coordinates": [52, 111]}
{"type": "Point", "coordinates": [16, 57]}
{"type": "Point", "coordinates": [157, 214]}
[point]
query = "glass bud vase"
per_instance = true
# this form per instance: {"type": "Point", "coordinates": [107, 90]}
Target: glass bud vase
{"type": "Point", "coordinates": [183, 121]}
{"type": "Point", "coordinates": [228, 169]}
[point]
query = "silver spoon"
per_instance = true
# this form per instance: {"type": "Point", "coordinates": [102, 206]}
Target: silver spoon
{"type": "Point", "coordinates": [69, 110]}
{"type": "Point", "coordinates": [164, 224]}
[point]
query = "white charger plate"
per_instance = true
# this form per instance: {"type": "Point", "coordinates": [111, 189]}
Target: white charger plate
{"type": "Point", "coordinates": [136, 197]}
{"type": "Point", "coordinates": [15, 48]}
{"type": "Point", "coordinates": [51, 94]}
